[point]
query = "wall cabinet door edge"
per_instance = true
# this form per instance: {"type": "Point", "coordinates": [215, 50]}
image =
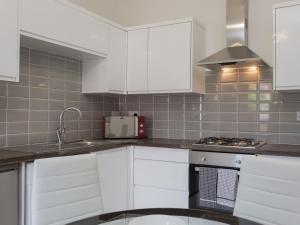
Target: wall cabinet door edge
{"type": "Point", "coordinates": [10, 40]}
{"type": "Point", "coordinates": [286, 47]}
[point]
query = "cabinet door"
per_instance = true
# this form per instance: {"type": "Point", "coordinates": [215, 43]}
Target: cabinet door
{"type": "Point", "coordinates": [148, 197]}
{"type": "Point", "coordinates": [9, 40]}
{"type": "Point", "coordinates": [287, 48]}
{"type": "Point", "coordinates": [117, 59]}
{"type": "Point", "coordinates": [169, 62]}
{"type": "Point", "coordinates": [59, 22]}
{"type": "Point", "coordinates": [113, 171]}
{"type": "Point", "coordinates": [107, 75]}
{"type": "Point", "coordinates": [137, 61]}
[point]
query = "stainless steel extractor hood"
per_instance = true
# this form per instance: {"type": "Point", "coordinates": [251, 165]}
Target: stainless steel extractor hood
{"type": "Point", "coordinates": [237, 51]}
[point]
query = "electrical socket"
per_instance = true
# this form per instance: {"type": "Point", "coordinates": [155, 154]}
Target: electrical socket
{"type": "Point", "coordinates": [298, 116]}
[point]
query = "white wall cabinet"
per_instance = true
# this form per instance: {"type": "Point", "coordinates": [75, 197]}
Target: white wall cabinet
{"type": "Point", "coordinates": [9, 40]}
{"type": "Point", "coordinates": [59, 22]}
{"type": "Point", "coordinates": [170, 57]}
{"type": "Point", "coordinates": [107, 75]}
{"type": "Point", "coordinates": [137, 61]}
{"type": "Point", "coordinates": [114, 172]}
{"type": "Point", "coordinates": [58, 27]}
{"type": "Point", "coordinates": [286, 46]}
{"type": "Point", "coordinates": [160, 178]}
{"type": "Point", "coordinates": [162, 58]}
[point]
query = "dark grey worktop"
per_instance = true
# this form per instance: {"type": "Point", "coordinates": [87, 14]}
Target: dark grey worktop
{"type": "Point", "coordinates": [12, 155]}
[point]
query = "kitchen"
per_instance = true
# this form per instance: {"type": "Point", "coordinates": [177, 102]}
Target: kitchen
{"type": "Point", "coordinates": [205, 100]}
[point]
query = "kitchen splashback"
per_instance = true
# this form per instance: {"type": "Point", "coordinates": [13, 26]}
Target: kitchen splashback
{"type": "Point", "coordinates": [239, 103]}
{"type": "Point", "coordinates": [29, 110]}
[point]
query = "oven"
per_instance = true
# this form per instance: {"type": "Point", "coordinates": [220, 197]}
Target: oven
{"type": "Point", "coordinates": [213, 180]}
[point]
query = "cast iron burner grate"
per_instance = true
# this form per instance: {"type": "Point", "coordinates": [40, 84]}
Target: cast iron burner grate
{"type": "Point", "coordinates": [232, 142]}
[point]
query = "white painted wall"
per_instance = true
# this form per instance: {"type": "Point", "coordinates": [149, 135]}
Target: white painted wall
{"type": "Point", "coordinates": [105, 8]}
{"type": "Point", "coordinates": [210, 13]}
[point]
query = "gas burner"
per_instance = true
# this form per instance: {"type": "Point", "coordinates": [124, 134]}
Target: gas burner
{"type": "Point", "coordinates": [229, 142]}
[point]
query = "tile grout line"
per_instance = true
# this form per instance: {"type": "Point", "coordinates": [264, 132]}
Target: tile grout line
{"type": "Point", "coordinates": [6, 113]}
{"type": "Point", "coordinates": [184, 116]}
{"type": "Point", "coordinates": [237, 103]}
{"type": "Point", "coordinates": [29, 86]}
{"type": "Point", "coordinates": [48, 76]}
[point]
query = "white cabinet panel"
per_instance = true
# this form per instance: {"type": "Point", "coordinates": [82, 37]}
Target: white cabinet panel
{"type": "Point", "coordinates": [137, 64]}
{"type": "Point", "coordinates": [161, 154]}
{"type": "Point", "coordinates": [9, 40]}
{"type": "Point", "coordinates": [147, 197]}
{"type": "Point", "coordinates": [166, 175]}
{"type": "Point", "coordinates": [160, 177]}
{"type": "Point", "coordinates": [117, 60]}
{"type": "Point", "coordinates": [107, 75]}
{"type": "Point", "coordinates": [169, 63]}
{"type": "Point", "coordinates": [287, 47]}
{"type": "Point", "coordinates": [60, 22]}
{"type": "Point", "coordinates": [113, 171]}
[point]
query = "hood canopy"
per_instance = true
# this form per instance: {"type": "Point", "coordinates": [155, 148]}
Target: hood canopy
{"type": "Point", "coordinates": [237, 52]}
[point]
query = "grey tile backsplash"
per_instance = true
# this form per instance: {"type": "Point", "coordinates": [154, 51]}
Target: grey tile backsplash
{"type": "Point", "coordinates": [29, 110]}
{"type": "Point", "coordinates": [238, 103]}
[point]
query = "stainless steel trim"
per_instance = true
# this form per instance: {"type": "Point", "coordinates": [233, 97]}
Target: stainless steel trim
{"type": "Point", "coordinates": [237, 51]}
{"type": "Point", "coordinates": [215, 159]}
{"type": "Point", "coordinates": [237, 23]}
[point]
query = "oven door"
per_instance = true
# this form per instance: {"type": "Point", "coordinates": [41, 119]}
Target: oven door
{"type": "Point", "coordinates": [212, 187]}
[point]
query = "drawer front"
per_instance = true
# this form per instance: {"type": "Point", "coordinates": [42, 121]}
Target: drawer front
{"type": "Point", "coordinates": [167, 175]}
{"type": "Point", "coordinates": [146, 197]}
{"type": "Point", "coordinates": [162, 154]}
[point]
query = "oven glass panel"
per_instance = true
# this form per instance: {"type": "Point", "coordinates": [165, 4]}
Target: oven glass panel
{"type": "Point", "coordinates": [213, 188]}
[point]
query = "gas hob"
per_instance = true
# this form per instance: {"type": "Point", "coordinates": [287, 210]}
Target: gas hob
{"type": "Point", "coordinates": [229, 142]}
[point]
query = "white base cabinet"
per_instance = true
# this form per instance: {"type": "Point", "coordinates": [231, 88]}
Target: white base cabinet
{"type": "Point", "coordinates": [114, 172]}
{"type": "Point", "coordinates": [160, 178]}
{"type": "Point", "coordinates": [134, 177]}
{"type": "Point", "coordinates": [148, 197]}
{"type": "Point", "coordinates": [286, 46]}
{"type": "Point", "coordinates": [9, 40]}
{"type": "Point", "coordinates": [161, 174]}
